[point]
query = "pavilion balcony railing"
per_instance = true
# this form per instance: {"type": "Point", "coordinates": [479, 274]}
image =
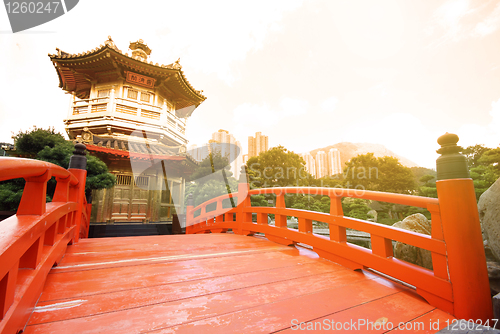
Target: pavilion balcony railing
{"type": "Point", "coordinates": [127, 109]}
{"type": "Point", "coordinates": [35, 239]}
{"type": "Point", "coordinates": [458, 282]}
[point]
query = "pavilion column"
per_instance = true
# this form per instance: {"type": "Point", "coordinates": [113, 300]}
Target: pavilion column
{"type": "Point", "coordinates": [111, 103]}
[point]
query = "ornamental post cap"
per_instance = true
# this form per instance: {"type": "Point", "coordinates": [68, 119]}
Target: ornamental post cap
{"type": "Point", "coordinates": [448, 143]}
{"type": "Point", "coordinates": [243, 174]}
{"type": "Point", "coordinates": [448, 139]}
{"type": "Point", "coordinates": [190, 201]}
{"type": "Point", "coordinates": [79, 149]}
{"type": "Point", "coordinates": [78, 160]}
{"type": "Point", "coordinates": [451, 164]}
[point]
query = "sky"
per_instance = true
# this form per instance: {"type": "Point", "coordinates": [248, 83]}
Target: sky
{"type": "Point", "coordinates": [307, 74]}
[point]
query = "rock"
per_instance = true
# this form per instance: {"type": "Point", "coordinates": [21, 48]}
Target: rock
{"type": "Point", "coordinates": [372, 213]}
{"type": "Point", "coordinates": [489, 215]}
{"type": "Point", "coordinates": [494, 277]}
{"type": "Point", "coordinates": [421, 257]}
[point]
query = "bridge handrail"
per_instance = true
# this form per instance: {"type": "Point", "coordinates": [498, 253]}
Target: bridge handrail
{"type": "Point", "coordinates": [417, 201]}
{"type": "Point", "coordinates": [437, 286]}
{"type": "Point", "coordinates": [13, 168]}
{"type": "Point", "coordinates": [35, 239]}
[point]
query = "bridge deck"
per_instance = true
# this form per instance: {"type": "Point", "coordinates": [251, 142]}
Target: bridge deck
{"type": "Point", "coordinates": [219, 283]}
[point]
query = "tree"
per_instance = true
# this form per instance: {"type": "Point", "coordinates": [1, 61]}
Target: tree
{"type": "Point", "coordinates": [473, 154]}
{"type": "Point", "coordinates": [379, 174]}
{"type": "Point", "coordinates": [212, 163]}
{"type": "Point", "coordinates": [428, 187]}
{"type": "Point", "coordinates": [58, 152]}
{"type": "Point", "coordinates": [33, 141]}
{"type": "Point", "coordinates": [211, 178]}
{"type": "Point", "coordinates": [484, 166]}
{"type": "Point", "coordinates": [277, 167]}
{"type": "Point", "coordinates": [355, 208]}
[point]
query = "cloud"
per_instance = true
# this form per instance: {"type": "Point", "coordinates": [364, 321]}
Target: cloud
{"type": "Point", "coordinates": [370, 29]}
{"type": "Point", "coordinates": [402, 133]}
{"type": "Point", "coordinates": [249, 118]}
{"type": "Point", "coordinates": [292, 107]}
{"type": "Point", "coordinates": [229, 31]}
{"type": "Point", "coordinates": [458, 20]}
{"type": "Point", "coordinates": [489, 135]}
{"type": "Point", "coordinates": [329, 105]}
{"type": "Point", "coordinates": [490, 24]}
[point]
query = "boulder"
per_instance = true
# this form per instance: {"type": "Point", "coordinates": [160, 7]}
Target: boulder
{"type": "Point", "coordinates": [372, 213]}
{"type": "Point", "coordinates": [421, 257]}
{"type": "Point", "coordinates": [494, 277]}
{"type": "Point", "coordinates": [489, 215]}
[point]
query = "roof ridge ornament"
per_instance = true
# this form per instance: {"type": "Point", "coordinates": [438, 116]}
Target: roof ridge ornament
{"type": "Point", "coordinates": [109, 42]}
{"type": "Point", "coordinates": [140, 49]}
{"type": "Point", "coordinates": [177, 64]}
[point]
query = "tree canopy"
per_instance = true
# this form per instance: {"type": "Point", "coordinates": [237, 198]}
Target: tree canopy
{"type": "Point", "coordinates": [485, 170]}
{"type": "Point", "coordinates": [385, 174]}
{"type": "Point", "coordinates": [277, 167]}
{"type": "Point", "coordinates": [211, 178]}
{"type": "Point", "coordinates": [33, 141]}
{"type": "Point", "coordinates": [47, 145]}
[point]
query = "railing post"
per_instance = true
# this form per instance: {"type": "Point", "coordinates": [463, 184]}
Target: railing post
{"type": "Point", "coordinates": [78, 167]}
{"type": "Point", "coordinates": [189, 214]}
{"type": "Point", "coordinates": [462, 233]}
{"type": "Point", "coordinates": [243, 202]}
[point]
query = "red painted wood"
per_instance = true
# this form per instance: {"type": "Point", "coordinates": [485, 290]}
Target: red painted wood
{"type": "Point", "coordinates": [429, 323]}
{"type": "Point", "coordinates": [244, 285]}
{"type": "Point", "coordinates": [31, 241]}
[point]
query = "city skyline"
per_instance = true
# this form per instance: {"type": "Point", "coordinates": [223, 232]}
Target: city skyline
{"type": "Point", "coordinates": [305, 73]}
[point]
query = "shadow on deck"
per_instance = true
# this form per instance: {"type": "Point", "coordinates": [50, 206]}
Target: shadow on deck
{"type": "Point", "coordinates": [218, 283]}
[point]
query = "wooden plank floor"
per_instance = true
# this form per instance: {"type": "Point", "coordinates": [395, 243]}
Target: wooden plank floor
{"type": "Point", "coordinates": [217, 283]}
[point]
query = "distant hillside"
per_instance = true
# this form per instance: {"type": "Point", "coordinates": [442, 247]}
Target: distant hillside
{"type": "Point", "coordinates": [351, 150]}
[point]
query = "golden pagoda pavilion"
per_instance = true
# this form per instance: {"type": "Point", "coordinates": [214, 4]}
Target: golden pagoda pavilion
{"type": "Point", "coordinates": [131, 114]}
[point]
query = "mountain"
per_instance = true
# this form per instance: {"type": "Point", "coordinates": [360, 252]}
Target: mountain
{"type": "Point", "coordinates": [350, 150]}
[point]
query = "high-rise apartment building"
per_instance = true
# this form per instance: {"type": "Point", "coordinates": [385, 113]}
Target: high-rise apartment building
{"type": "Point", "coordinates": [321, 164]}
{"type": "Point", "coordinates": [257, 144]}
{"type": "Point", "coordinates": [229, 147]}
{"type": "Point", "coordinates": [334, 164]}
{"type": "Point", "coordinates": [310, 163]}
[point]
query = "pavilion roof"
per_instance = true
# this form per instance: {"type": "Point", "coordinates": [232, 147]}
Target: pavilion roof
{"type": "Point", "coordinates": [107, 63]}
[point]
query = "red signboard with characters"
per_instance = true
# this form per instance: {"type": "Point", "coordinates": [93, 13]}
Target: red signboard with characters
{"type": "Point", "coordinates": [140, 79]}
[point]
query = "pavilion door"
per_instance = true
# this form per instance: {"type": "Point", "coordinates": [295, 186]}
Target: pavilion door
{"type": "Point", "coordinates": [131, 199]}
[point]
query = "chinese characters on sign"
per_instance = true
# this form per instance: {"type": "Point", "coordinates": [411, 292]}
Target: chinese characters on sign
{"type": "Point", "coordinates": [140, 80]}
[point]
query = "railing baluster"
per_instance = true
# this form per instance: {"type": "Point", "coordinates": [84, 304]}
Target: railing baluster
{"type": "Point", "coordinates": [382, 246]}
{"type": "Point", "coordinates": [280, 219]}
{"type": "Point", "coordinates": [34, 195]}
{"type": "Point", "coordinates": [305, 225]}
{"type": "Point", "coordinates": [439, 261]}
{"type": "Point", "coordinates": [62, 189]}
{"type": "Point", "coordinates": [262, 218]}
{"type": "Point", "coordinates": [337, 233]}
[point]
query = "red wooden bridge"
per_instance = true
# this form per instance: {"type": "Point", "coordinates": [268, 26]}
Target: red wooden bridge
{"type": "Point", "coordinates": [230, 274]}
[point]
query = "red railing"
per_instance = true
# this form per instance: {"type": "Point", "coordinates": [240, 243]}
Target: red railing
{"type": "Point", "coordinates": [35, 239]}
{"type": "Point", "coordinates": [458, 283]}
